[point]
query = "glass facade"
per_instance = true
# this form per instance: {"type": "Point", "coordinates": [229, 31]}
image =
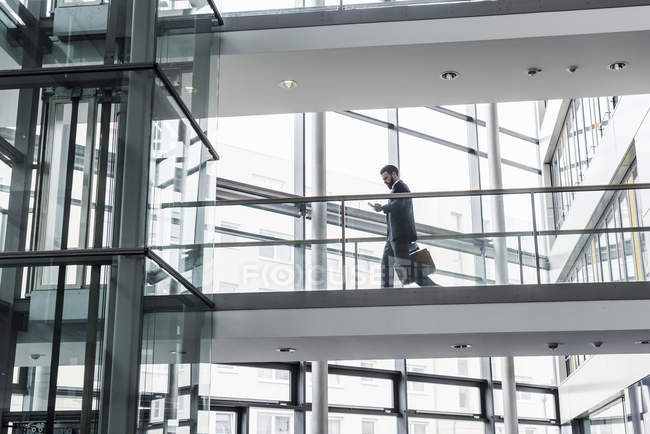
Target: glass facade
{"type": "Point", "coordinates": [433, 145]}
{"type": "Point", "coordinates": [613, 256]}
{"type": "Point", "coordinates": [229, 7]}
{"type": "Point", "coordinates": [367, 396]}
{"type": "Point", "coordinates": [114, 247]}
{"type": "Point", "coordinates": [584, 126]}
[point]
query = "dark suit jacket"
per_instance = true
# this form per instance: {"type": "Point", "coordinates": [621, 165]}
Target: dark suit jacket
{"type": "Point", "coordinates": [399, 215]}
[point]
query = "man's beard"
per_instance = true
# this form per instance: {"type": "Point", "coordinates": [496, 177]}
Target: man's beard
{"type": "Point", "coordinates": [390, 184]}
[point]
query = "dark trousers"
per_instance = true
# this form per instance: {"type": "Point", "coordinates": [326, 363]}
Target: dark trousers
{"type": "Point", "coordinates": [396, 253]}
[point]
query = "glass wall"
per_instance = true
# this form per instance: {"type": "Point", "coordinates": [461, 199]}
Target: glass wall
{"type": "Point", "coordinates": [614, 256]}
{"type": "Point", "coordinates": [582, 133]}
{"type": "Point", "coordinates": [97, 161]}
{"type": "Point", "coordinates": [438, 148]}
{"type": "Point", "coordinates": [229, 7]}
{"type": "Point", "coordinates": [365, 396]}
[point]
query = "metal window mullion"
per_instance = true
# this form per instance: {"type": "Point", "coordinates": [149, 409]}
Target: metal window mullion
{"type": "Point", "coordinates": [86, 196]}
{"type": "Point", "coordinates": [400, 395]}
{"type": "Point", "coordinates": [102, 173]}
{"type": "Point", "coordinates": [299, 188]}
{"type": "Point", "coordinates": [476, 203]}
{"type": "Point", "coordinates": [91, 350]}
{"type": "Point", "coordinates": [56, 351]}
{"type": "Point", "coordinates": [298, 397]}
{"type": "Point", "coordinates": [487, 396]}
{"type": "Point", "coordinates": [60, 290]}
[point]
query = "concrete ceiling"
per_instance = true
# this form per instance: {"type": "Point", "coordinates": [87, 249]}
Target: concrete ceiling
{"type": "Point", "coordinates": [398, 64]}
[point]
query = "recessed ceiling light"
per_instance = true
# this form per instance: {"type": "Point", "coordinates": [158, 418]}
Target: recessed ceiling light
{"type": "Point", "coordinates": [617, 66]}
{"type": "Point", "coordinates": [288, 84]}
{"type": "Point", "coordinates": [643, 342]}
{"type": "Point", "coordinates": [449, 75]}
{"type": "Point", "coordinates": [532, 72]}
{"type": "Point", "coordinates": [571, 69]}
{"type": "Point", "coordinates": [285, 350]}
{"type": "Point", "coordinates": [461, 346]}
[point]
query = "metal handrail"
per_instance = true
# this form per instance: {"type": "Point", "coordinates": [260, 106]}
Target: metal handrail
{"type": "Point", "coordinates": [412, 195]}
{"type": "Point", "coordinates": [535, 232]}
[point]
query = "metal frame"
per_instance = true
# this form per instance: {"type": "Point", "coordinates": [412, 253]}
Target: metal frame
{"type": "Point", "coordinates": [298, 206]}
{"type": "Point", "coordinates": [399, 377]}
{"type": "Point", "coordinates": [447, 143]}
{"type": "Point", "coordinates": [408, 12]}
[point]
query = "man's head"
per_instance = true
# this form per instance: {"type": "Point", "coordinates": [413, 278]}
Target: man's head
{"type": "Point", "coordinates": [390, 175]}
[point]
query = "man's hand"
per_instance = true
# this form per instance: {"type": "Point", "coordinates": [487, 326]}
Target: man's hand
{"type": "Point", "coordinates": [375, 206]}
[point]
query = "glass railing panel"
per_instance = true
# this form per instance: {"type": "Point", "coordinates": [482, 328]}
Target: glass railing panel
{"type": "Point", "coordinates": [241, 7]}
{"type": "Point", "coordinates": [187, 53]}
{"type": "Point", "coordinates": [272, 6]}
{"type": "Point", "coordinates": [465, 250]}
{"type": "Point", "coordinates": [182, 182]}
{"type": "Point", "coordinates": [171, 8]}
{"type": "Point", "coordinates": [401, 2]}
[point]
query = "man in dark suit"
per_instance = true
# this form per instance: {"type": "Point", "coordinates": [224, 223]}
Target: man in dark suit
{"type": "Point", "coordinates": [401, 231]}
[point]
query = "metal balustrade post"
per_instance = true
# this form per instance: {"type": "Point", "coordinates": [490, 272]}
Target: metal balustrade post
{"type": "Point", "coordinates": [535, 237]}
{"type": "Point", "coordinates": [521, 260]}
{"type": "Point", "coordinates": [356, 265]}
{"type": "Point", "coordinates": [343, 253]}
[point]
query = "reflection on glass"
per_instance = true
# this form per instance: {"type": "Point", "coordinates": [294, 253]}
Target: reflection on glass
{"type": "Point", "coordinates": [183, 182]}
{"type": "Point", "coordinates": [270, 421]}
{"type": "Point", "coordinates": [346, 390]}
{"type": "Point", "coordinates": [443, 398]}
{"type": "Point", "coordinates": [529, 405]}
{"type": "Point", "coordinates": [438, 426]}
{"type": "Point", "coordinates": [245, 383]}
{"type": "Point", "coordinates": [342, 423]}
{"type": "Point", "coordinates": [456, 367]}
{"type": "Point", "coordinates": [609, 420]}
{"type": "Point", "coordinates": [540, 370]}
{"type": "Point", "coordinates": [531, 429]}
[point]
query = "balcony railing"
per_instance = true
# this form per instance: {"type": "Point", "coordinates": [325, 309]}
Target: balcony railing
{"type": "Point", "coordinates": [250, 257]}
{"type": "Point", "coordinates": [243, 7]}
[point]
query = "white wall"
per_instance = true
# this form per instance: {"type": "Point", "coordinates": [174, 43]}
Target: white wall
{"type": "Point", "coordinates": [598, 380]}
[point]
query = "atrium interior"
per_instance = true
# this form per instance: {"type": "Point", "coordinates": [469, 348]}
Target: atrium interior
{"type": "Point", "coordinates": [188, 241]}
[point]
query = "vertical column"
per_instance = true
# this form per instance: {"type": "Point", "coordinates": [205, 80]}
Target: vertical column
{"type": "Point", "coordinates": [501, 261]}
{"type": "Point", "coordinates": [401, 397]}
{"type": "Point", "coordinates": [319, 265]}
{"type": "Point", "coordinates": [299, 188]}
{"type": "Point", "coordinates": [488, 395]}
{"type": "Point", "coordinates": [635, 405]}
{"type": "Point", "coordinates": [119, 406]}
{"type": "Point", "coordinates": [476, 202]}
{"type": "Point", "coordinates": [393, 137]}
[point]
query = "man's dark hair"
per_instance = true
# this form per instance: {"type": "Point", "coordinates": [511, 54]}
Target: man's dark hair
{"type": "Point", "coordinates": [390, 169]}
